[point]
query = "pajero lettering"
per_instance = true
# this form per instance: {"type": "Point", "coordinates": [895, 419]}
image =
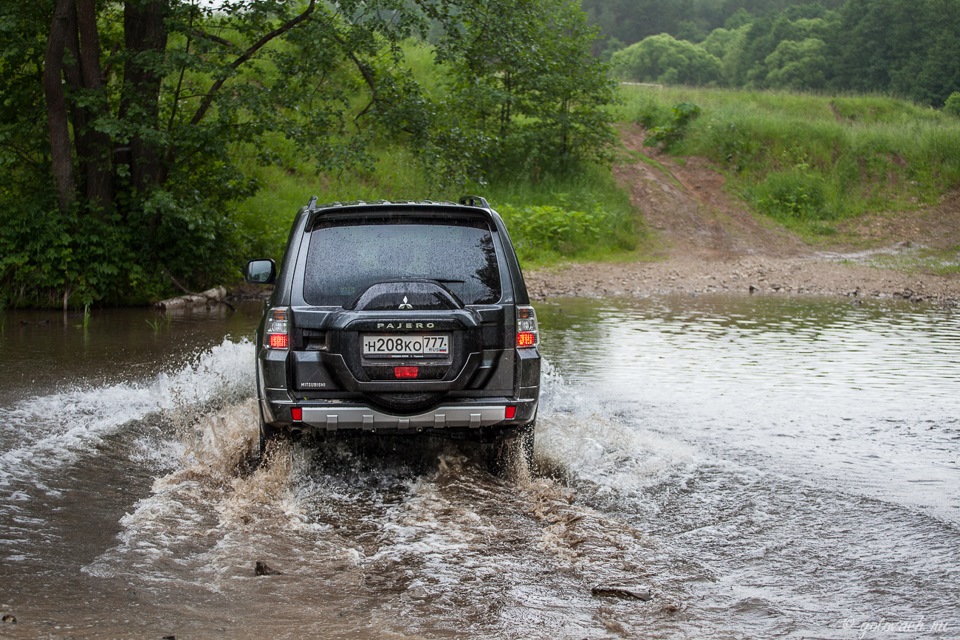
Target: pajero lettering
{"type": "Point", "coordinates": [405, 325]}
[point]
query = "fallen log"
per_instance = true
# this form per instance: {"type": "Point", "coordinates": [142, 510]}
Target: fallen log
{"type": "Point", "coordinates": [213, 296]}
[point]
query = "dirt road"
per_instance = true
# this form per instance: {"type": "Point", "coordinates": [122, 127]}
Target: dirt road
{"type": "Point", "coordinates": [713, 244]}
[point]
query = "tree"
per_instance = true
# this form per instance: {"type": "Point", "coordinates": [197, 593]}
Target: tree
{"type": "Point", "coordinates": [142, 103]}
{"type": "Point", "coordinates": [798, 65]}
{"type": "Point", "coordinates": [664, 59]}
{"type": "Point", "coordinates": [526, 93]}
{"type": "Point", "coordinates": [142, 107]}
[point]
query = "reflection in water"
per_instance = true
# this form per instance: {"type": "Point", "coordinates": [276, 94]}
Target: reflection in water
{"type": "Point", "coordinates": [766, 467]}
{"type": "Point", "coordinates": [863, 394]}
{"type": "Point", "coordinates": [47, 351]}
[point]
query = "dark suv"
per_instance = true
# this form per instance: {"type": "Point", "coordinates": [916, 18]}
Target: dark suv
{"type": "Point", "coordinates": [395, 317]}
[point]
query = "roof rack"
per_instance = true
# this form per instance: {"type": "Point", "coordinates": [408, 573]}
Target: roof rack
{"type": "Point", "coordinates": [469, 201]}
{"type": "Point", "coordinates": [474, 201]}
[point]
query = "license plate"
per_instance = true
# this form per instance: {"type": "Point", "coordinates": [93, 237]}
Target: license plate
{"type": "Point", "coordinates": [407, 345]}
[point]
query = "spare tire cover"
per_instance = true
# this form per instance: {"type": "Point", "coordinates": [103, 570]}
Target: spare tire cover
{"type": "Point", "coordinates": [407, 295]}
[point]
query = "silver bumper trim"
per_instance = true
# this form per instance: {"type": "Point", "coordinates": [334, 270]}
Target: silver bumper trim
{"type": "Point", "coordinates": [370, 419]}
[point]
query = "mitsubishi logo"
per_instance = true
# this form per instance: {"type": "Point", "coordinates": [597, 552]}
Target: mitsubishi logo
{"type": "Point", "coordinates": [406, 304]}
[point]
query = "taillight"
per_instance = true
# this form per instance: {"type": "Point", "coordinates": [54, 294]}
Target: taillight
{"type": "Point", "coordinates": [528, 334]}
{"type": "Point", "coordinates": [275, 330]}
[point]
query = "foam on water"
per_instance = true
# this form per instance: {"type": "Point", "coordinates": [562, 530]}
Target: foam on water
{"type": "Point", "coordinates": [50, 432]}
{"type": "Point", "coordinates": [596, 445]}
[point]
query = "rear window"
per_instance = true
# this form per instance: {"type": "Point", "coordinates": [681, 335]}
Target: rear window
{"type": "Point", "coordinates": [346, 257]}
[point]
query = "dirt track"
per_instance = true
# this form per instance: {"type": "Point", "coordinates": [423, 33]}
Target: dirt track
{"type": "Point", "coordinates": [713, 244]}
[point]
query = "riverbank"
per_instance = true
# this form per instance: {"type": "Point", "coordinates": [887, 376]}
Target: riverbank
{"type": "Point", "coordinates": [814, 275]}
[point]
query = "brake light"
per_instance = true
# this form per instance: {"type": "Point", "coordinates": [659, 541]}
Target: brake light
{"type": "Point", "coordinates": [528, 332]}
{"type": "Point", "coordinates": [406, 373]}
{"type": "Point", "coordinates": [276, 333]}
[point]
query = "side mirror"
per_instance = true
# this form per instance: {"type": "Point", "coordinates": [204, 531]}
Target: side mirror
{"type": "Point", "coordinates": [261, 272]}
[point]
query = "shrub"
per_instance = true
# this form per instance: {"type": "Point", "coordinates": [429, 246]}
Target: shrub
{"type": "Point", "coordinates": [952, 105]}
{"type": "Point", "coordinates": [672, 132]}
{"type": "Point", "coordinates": [542, 233]}
{"type": "Point", "coordinates": [793, 196]}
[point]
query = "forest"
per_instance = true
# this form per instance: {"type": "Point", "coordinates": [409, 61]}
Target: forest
{"type": "Point", "coordinates": [130, 132]}
{"type": "Point", "coordinates": [905, 48]}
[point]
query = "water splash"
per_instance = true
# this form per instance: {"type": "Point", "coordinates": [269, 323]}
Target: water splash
{"type": "Point", "coordinates": [50, 432]}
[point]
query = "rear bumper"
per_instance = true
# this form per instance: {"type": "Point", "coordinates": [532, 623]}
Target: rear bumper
{"type": "Point", "coordinates": [451, 416]}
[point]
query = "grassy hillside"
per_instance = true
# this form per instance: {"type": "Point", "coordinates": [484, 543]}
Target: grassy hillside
{"type": "Point", "coordinates": [810, 161]}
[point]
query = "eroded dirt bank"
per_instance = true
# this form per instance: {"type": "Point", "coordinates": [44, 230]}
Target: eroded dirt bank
{"type": "Point", "coordinates": [713, 244]}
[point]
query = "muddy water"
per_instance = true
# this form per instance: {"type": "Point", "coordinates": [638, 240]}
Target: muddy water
{"type": "Point", "coordinates": [752, 467]}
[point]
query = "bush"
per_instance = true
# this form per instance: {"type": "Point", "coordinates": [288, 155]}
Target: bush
{"type": "Point", "coordinates": [673, 131]}
{"type": "Point", "coordinates": [793, 196]}
{"type": "Point", "coordinates": [54, 259]}
{"type": "Point", "coordinates": [543, 233]}
{"type": "Point", "coordinates": [952, 105]}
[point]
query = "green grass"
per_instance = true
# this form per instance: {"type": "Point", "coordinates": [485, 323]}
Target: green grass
{"type": "Point", "coordinates": [265, 219]}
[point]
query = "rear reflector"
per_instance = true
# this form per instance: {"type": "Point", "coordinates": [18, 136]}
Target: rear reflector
{"type": "Point", "coordinates": [510, 412]}
{"type": "Point", "coordinates": [406, 373]}
{"type": "Point", "coordinates": [526, 339]}
{"type": "Point", "coordinates": [296, 413]}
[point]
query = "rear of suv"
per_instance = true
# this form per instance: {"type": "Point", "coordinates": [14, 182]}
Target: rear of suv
{"type": "Point", "coordinates": [399, 317]}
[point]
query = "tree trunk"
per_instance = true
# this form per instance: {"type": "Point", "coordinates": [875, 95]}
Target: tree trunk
{"type": "Point", "coordinates": [145, 37]}
{"type": "Point", "coordinates": [94, 149]}
{"type": "Point", "coordinates": [61, 150]}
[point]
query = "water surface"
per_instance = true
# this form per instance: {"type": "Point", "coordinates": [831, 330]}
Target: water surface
{"type": "Point", "coordinates": [763, 467]}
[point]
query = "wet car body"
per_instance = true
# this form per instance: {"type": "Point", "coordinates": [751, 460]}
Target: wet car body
{"type": "Point", "coordinates": [398, 317]}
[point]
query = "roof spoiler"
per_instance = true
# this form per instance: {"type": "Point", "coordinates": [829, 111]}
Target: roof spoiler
{"type": "Point", "coordinates": [474, 201]}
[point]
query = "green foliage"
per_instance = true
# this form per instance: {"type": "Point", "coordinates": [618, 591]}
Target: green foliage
{"type": "Point", "coordinates": [663, 59]}
{"type": "Point", "coordinates": [549, 232]}
{"type": "Point", "coordinates": [952, 105]}
{"type": "Point", "coordinates": [910, 49]}
{"type": "Point", "coordinates": [189, 117]}
{"type": "Point", "coordinates": [672, 132]}
{"type": "Point", "coordinates": [582, 216]}
{"type": "Point", "coordinates": [906, 48]}
{"type": "Point", "coordinates": [797, 195]}
{"type": "Point", "coordinates": [264, 219]}
{"type": "Point", "coordinates": [797, 64]}
{"type": "Point", "coordinates": [633, 20]}
{"type": "Point", "coordinates": [64, 259]}
{"type": "Point", "coordinates": [550, 229]}
{"type": "Point", "coordinates": [524, 94]}
{"type": "Point", "coordinates": [592, 195]}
